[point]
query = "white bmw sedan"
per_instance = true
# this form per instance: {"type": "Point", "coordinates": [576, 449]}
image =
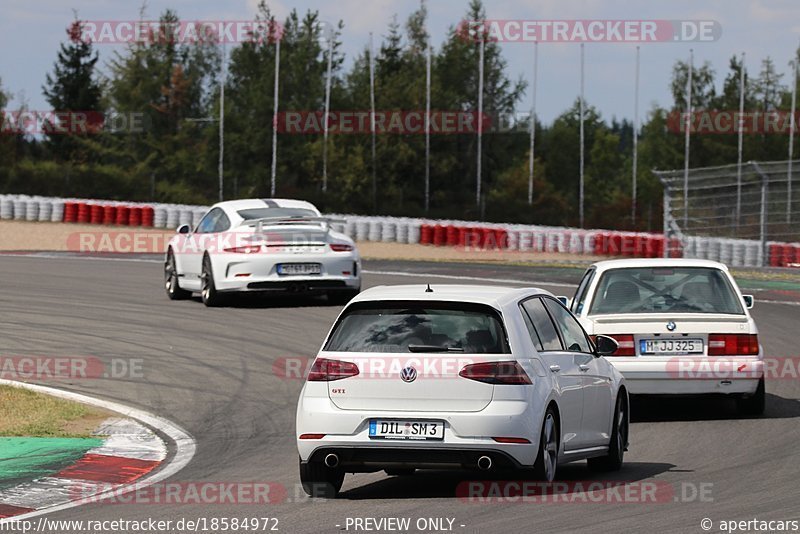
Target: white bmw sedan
{"type": "Point", "coordinates": [682, 326]}
{"type": "Point", "coordinates": [271, 245]}
{"type": "Point", "coordinates": [466, 377]}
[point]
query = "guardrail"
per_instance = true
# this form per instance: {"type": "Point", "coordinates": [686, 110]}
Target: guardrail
{"type": "Point", "coordinates": [468, 235]}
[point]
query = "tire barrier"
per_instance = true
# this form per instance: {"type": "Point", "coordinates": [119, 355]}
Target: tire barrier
{"type": "Point", "coordinates": [96, 213]}
{"type": "Point", "coordinates": [186, 216]}
{"type": "Point", "coordinates": [470, 235]}
{"type": "Point", "coordinates": [20, 208]}
{"type": "Point", "coordinates": [32, 210]}
{"type": "Point", "coordinates": [6, 207]}
{"type": "Point", "coordinates": [388, 231]}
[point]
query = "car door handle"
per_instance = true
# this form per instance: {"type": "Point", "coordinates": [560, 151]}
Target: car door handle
{"type": "Point", "coordinates": [583, 367]}
{"type": "Point", "coordinates": [555, 368]}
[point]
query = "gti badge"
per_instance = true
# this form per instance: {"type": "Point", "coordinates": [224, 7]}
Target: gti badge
{"type": "Point", "coordinates": [409, 374]}
{"type": "Point", "coordinates": [671, 326]}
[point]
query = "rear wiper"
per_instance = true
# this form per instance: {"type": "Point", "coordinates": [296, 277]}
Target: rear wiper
{"type": "Point", "coordinates": [433, 348]}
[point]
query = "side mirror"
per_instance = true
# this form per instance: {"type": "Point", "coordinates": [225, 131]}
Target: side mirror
{"type": "Point", "coordinates": [564, 300]}
{"type": "Point", "coordinates": [605, 345]}
{"type": "Point", "coordinates": [184, 229]}
{"type": "Point", "coordinates": [748, 301]}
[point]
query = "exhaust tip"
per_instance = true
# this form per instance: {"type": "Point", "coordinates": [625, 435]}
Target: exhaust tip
{"type": "Point", "coordinates": [331, 460]}
{"type": "Point", "coordinates": [484, 463]}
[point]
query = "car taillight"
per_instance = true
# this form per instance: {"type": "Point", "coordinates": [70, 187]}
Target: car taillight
{"type": "Point", "coordinates": [732, 344]}
{"type": "Point", "coordinates": [496, 373]}
{"type": "Point", "coordinates": [340, 247]}
{"type": "Point", "coordinates": [627, 347]}
{"type": "Point", "coordinates": [245, 249]}
{"type": "Point", "coordinates": [325, 370]}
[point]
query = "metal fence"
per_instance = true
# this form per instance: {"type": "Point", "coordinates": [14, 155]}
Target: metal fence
{"type": "Point", "coordinates": [754, 202]}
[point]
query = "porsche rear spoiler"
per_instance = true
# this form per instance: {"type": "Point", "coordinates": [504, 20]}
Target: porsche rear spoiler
{"type": "Point", "coordinates": [277, 221]}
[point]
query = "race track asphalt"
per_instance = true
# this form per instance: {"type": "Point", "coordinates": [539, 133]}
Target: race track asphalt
{"type": "Point", "coordinates": [211, 372]}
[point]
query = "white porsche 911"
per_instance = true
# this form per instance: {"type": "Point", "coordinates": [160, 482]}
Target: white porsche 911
{"type": "Point", "coordinates": [682, 326]}
{"type": "Point", "coordinates": [271, 245]}
{"type": "Point", "coordinates": [468, 377]}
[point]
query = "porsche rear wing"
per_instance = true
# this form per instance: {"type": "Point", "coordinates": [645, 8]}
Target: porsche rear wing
{"type": "Point", "coordinates": [278, 221]}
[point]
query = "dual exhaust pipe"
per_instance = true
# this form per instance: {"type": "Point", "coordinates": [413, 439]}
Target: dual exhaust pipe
{"type": "Point", "coordinates": [332, 461]}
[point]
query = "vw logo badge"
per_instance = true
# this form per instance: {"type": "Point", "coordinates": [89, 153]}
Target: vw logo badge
{"type": "Point", "coordinates": [671, 326]}
{"type": "Point", "coordinates": [409, 374]}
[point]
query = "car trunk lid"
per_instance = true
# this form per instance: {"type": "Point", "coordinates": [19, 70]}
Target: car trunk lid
{"type": "Point", "coordinates": [411, 382]}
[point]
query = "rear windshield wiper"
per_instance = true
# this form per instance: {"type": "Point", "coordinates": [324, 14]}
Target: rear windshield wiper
{"type": "Point", "coordinates": [433, 348]}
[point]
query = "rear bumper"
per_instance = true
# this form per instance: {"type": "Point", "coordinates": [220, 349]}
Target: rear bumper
{"type": "Point", "coordinates": [368, 459]}
{"type": "Point", "coordinates": [690, 375]}
{"type": "Point", "coordinates": [259, 272]}
{"type": "Point", "coordinates": [470, 433]}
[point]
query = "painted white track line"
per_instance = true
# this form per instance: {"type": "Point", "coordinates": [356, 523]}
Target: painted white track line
{"type": "Point", "coordinates": [185, 444]}
{"type": "Point", "coordinates": [365, 271]}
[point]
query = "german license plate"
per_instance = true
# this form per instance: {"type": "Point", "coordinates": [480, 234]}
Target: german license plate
{"type": "Point", "coordinates": [406, 430]}
{"type": "Point", "coordinates": [670, 346]}
{"type": "Point", "coordinates": [299, 268]}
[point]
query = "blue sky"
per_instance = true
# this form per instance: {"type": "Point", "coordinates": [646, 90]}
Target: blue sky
{"type": "Point", "coordinates": [30, 32]}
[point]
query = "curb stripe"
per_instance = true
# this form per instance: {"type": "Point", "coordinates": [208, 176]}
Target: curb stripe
{"type": "Point", "coordinates": [185, 447]}
{"type": "Point", "coordinates": [6, 510]}
{"type": "Point", "coordinates": [110, 469]}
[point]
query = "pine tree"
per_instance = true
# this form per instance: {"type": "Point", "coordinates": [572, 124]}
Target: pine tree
{"type": "Point", "coordinates": [72, 87]}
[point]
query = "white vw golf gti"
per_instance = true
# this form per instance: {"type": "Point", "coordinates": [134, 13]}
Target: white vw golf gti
{"type": "Point", "coordinates": [470, 377]}
{"type": "Point", "coordinates": [682, 326]}
{"type": "Point", "coordinates": [273, 245]}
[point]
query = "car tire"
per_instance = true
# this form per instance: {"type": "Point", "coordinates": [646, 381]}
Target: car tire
{"type": "Point", "coordinates": [754, 404]}
{"type": "Point", "coordinates": [208, 290]}
{"type": "Point", "coordinates": [619, 440]}
{"type": "Point", "coordinates": [547, 457]}
{"type": "Point", "coordinates": [321, 481]}
{"type": "Point", "coordinates": [341, 297]}
{"type": "Point", "coordinates": [172, 281]}
{"type": "Point", "coordinates": [400, 472]}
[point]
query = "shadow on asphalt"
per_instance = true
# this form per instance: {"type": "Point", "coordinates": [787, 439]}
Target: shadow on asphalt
{"type": "Point", "coordinates": [660, 409]}
{"type": "Point", "coordinates": [266, 301]}
{"type": "Point", "coordinates": [455, 484]}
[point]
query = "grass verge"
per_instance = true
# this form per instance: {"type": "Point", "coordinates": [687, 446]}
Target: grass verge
{"type": "Point", "coordinates": [27, 413]}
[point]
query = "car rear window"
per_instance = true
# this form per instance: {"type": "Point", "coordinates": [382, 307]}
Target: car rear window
{"type": "Point", "coordinates": [419, 327]}
{"type": "Point", "coordinates": [262, 213]}
{"type": "Point", "coordinates": [665, 289]}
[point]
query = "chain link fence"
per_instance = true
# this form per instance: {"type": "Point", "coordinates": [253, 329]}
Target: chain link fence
{"type": "Point", "coordinates": [742, 206]}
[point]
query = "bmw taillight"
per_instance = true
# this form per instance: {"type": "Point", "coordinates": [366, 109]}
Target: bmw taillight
{"type": "Point", "coordinates": [245, 249]}
{"type": "Point", "coordinates": [732, 344]}
{"type": "Point", "coordinates": [627, 346]}
{"type": "Point", "coordinates": [341, 247]}
{"type": "Point", "coordinates": [325, 370]}
{"type": "Point", "coordinates": [496, 373]}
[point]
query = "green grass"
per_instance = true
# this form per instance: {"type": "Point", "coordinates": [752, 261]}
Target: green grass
{"type": "Point", "coordinates": [27, 413]}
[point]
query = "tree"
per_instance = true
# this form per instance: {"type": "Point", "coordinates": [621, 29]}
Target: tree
{"type": "Point", "coordinates": [73, 88]}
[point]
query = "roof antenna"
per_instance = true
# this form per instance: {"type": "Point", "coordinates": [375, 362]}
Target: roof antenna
{"type": "Point", "coordinates": [428, 289]}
